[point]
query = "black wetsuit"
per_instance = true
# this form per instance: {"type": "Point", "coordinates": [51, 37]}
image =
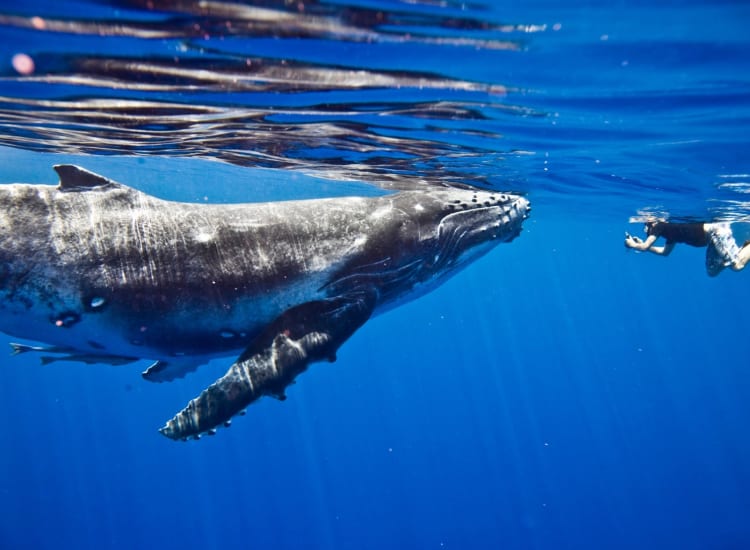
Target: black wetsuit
{"type": "Point", "coordinates": [686, 233]}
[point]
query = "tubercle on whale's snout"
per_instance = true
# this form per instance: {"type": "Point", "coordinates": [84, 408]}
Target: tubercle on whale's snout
{"type": "Point", "coordinates": [511, 218]}
{"type": "Point", "coordinates": [511, 211]}
{"type": "Point", "coordinates": [518, 212]}
{"type": "Point", "coordinates": [469, 200]}
{"type": "Point", "coordinates": [524, 206]}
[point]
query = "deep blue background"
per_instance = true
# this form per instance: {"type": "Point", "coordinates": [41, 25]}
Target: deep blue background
{"type": "Point", "coordinates": [562, 392]}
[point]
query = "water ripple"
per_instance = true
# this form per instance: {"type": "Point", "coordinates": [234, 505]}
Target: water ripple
{"type": "Point", "coordinates": [397, 93]}
{"type": "Point", "coordinates": [200, 89]}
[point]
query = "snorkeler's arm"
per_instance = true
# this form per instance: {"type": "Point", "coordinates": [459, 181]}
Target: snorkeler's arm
{"type": "Point", "coordinates": [638, 244]}
{"type": "Point", "coordinates": [661, 250]}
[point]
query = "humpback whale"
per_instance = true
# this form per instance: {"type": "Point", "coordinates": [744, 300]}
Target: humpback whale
{"type": "Point", "coordinates": [101, 272]}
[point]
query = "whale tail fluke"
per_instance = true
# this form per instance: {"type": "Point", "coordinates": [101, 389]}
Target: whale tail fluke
{"type": "Point", "coordinates": [17, 349]}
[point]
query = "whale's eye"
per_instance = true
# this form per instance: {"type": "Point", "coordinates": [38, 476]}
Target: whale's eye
{"type": "Point", "coordinates": [94, 303]}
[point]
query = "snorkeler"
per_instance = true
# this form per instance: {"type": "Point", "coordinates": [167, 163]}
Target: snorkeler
{"type": "Point", "coordinates": [722, 250]}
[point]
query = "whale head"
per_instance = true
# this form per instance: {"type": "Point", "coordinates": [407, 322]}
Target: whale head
{"type": "Point", "coordinates": [427, 236]}
{"type": "Point", "coordinates": [458, 226]}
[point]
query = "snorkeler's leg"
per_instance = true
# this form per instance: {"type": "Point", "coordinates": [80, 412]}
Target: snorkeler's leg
{"type": "Point", "coordinates": [742, 257]}
{"type": "Point", "coordinates": [722, 250]}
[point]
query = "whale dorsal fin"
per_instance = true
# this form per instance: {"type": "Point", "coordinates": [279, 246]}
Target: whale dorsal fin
{"type": "Point", "coordinates": [75, 178]}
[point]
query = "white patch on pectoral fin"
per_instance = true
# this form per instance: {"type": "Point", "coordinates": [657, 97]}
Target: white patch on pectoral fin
{"type": "Point", "coordinates": [75, 178]}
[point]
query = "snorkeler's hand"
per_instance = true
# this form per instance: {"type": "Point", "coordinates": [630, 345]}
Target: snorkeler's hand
{"type": "Point", "coordinates": [632, 242]}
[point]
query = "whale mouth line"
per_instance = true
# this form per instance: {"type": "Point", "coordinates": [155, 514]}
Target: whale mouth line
{"type": "Point", "coordinates": [465, 230]}
{"type": "Point", "coordinates": [363, 277]}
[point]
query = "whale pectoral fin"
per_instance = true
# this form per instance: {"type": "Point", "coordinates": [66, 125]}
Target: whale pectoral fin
{"type": "Point", "coordinates": [302, 335]}
{"type": "Point", "coordinates": [155, 371]}
{"type": "Point", "coordinates": [166, 371]}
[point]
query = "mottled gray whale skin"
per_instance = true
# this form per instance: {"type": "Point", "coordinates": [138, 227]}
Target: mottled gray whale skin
{"type": "Point", "coordinates": [104, 273]}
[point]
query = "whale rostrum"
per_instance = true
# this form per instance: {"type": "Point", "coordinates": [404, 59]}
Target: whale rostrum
{"type": "Point", "coordinates": [101, 272]}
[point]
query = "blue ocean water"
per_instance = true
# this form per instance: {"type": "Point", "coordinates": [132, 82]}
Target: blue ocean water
{"type": "Point", "coordinates": [561, 392]}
